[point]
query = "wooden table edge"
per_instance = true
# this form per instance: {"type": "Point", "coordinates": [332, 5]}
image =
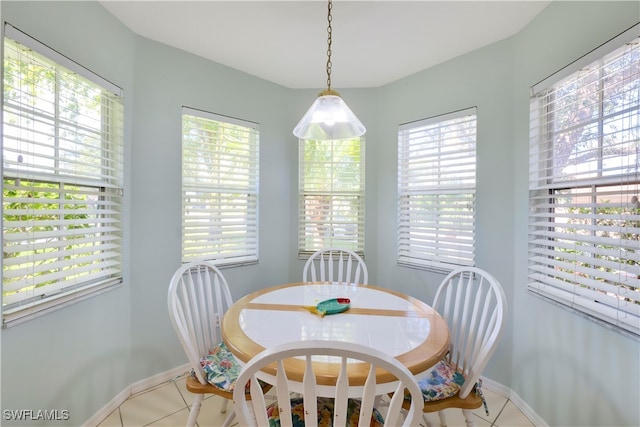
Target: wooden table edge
{"type": "Point", "coordinates": [244, 348]}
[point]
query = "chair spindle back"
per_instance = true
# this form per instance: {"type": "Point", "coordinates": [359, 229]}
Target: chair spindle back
{"type": "Point", "coordinates": [473, 304]}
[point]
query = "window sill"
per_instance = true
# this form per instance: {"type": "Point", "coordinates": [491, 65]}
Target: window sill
{"type": "Point", "coordinates": [18, 316]}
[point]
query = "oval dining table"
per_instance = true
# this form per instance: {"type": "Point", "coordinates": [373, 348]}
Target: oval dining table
{"type": "Point", "coordinates": [390, 321]}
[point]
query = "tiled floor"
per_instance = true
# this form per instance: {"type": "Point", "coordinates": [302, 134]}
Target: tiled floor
{"type": "Point", "coordinates": [168, 405]}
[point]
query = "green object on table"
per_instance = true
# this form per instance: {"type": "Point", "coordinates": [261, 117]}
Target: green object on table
{"type": "Point", "coordinates": [330, 306]}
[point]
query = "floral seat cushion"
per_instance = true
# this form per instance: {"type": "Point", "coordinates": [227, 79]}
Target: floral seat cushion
{"type": "Point", "coordinates": [442, 381]}
{"type": "Point", "coordinates": [221, 367]}
{"type": "Point", "coordinates": [325, 413]}
{"type": "Point", "coordinates": [445, 381]}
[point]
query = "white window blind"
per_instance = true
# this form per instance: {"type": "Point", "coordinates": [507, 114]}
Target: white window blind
{"type": "Point", "coordinates": [331, 195]}
{"type": "Point", "coordinates": [62, 180]}
{"type": "Point", "coordinates": [584, 246]}
{"type": "Point", "coordinates": [436, 191]}
{"type": "Point", "coordinates": [219, 188]}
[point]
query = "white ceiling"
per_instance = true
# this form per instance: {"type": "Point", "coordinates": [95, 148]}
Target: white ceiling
{"type": "Point", "coordinates": [374, 42]}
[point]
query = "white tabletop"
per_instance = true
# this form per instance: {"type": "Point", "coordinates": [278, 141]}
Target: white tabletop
{"type": "Point", "coordinates": [397, 324]}
{"type": "Point", "coordinates": [394, 334]}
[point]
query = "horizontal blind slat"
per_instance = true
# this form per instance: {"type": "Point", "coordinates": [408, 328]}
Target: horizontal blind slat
{"type": "Point", "coordinates": [436, 191]}
{"type": "Point", "coordinates": [584, 249]}
{"type": "Point", "coordinates": [63, 177]}
{"type": "Point", "coordinates": [220, 173]}
{"type": "Point", "coordinates": [331, 195]}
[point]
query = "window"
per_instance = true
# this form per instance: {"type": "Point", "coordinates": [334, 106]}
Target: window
{"type": "Point", "coordinates": [219, 188]}
{"type": "Point", "coordinates": [62, 179]}
{"type": "Point", "coordinates": [584, 245]}
{"type": "Point", "coordinates": [331, 195]}
{"type": "Point", "coordinates": [436, 191]}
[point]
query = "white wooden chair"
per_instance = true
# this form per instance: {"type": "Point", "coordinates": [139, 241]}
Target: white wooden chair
{"type": "Point", "coordinates": [335, 265]}
{"type": "Point", "coordinates": [474, 306]}
{"type": "Point", "coordinates": [325, 398]}
{"type": "Point", "coordinates": [198, 298]}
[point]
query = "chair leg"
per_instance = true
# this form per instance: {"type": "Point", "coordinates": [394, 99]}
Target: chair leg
{"type": "Point", "coordinates": [223, 410]}
{"type": "Point", "coordinates": [443, 419]}
{"type": "Point", "coordinates": [230, 418]}
{"type": "Point", "coordinates": [427, 421]}
{"type": "Point", "coordinates": [468, 417]}
{"type": "Point", "coordinates": [195, 410]}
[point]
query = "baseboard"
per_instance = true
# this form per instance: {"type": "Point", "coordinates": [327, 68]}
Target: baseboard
{"type": "Point", "coordinates": [527, 410]}
{"type": "Point", "coordinates": [137, 387]}
{"type": "Point", "coordinates": [517, 401]}
{"type": "Point", "coordinates": [107, 409]}
{"type": "Point", "coordinates": [158, 379]}
{"type": "Point", "coordinates": [496, 387]}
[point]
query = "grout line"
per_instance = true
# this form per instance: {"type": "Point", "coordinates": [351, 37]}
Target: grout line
{"type": "Point", "coordinates": [180, 392]}
{"type": "Point", "coordinates": [174, 380]}
{"type": "Point", "coordinates": [147, 390]}
{"type": "Point", "coordinates": [495, 420]}
{"type": "Point", "coordinates": [166, 416]}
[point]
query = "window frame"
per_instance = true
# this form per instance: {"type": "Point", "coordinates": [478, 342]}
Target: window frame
{"type": "Point", "coordinates": [89, 195]}
{"type": "Point", "coordinates": [425, 173]}
{"type": "Point", "coordinates": [345, 202]}
{"type": "Point", "coordinates": [237, 241]}
{"type": "Point", "coordinates": [580, 214]}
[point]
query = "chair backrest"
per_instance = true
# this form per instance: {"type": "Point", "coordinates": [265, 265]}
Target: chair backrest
{"type": "Point", "coordinates": [198, 298]}
{"type": "Point", "coordinates": [311, 357]}
{"type": "Point", "coordinates": [473, 304]}
{"type": "Point", "coordinates": [335, 265]}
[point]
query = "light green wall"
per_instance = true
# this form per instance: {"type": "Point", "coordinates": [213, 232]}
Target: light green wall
{"type": "Point", "coordinates": [570, 370]}
{"type": "Point", "coordinates": [482, 79]}
{"type": "Point", "coordinates": [549, 357]}
{"type": "Point", "coordinates": [167, 79]}
{"type": "Point", "coordinates": [76, 358]}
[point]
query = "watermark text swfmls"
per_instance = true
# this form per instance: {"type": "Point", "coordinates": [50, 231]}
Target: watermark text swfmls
{"type": "Point", "coordinates": [36, 414]}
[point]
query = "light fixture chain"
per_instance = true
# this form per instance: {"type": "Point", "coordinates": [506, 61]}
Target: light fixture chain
{"type": "Point", "coordinates": [328, 118]}
{"type": "Point", "coordinates": [329, 46]}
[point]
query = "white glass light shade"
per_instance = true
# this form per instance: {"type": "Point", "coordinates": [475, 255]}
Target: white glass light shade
{"type": "Point", "coordinates": [329, 117]}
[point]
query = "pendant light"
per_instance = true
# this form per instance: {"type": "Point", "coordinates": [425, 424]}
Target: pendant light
{"type": "Point", "coordinates": [329, 117]}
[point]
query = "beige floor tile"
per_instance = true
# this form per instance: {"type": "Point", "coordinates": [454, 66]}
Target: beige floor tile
{"type": "Point", "coordinates": [189, 397]}
{"type": "Point", "coordinates": [456, 419]}
{"type": "Point", "coordinates": [113, 420]}
{"type": "Point", "coordinates": [454, 416]}
{"type": "Point", "coordinates": [145, 408]}
{"type": "Point", "coordinates": [165, 406]}
{"type": "Point", "coordinates": [177, 419]}
{"type": "Point", "coordinates": [210, 415]}
{"type": "Point", "coordinates": [495, 403]}
{"type": "Point", "coordinates": [182, 387]}
{"type": "Point", "coordinates": [512, 417]}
